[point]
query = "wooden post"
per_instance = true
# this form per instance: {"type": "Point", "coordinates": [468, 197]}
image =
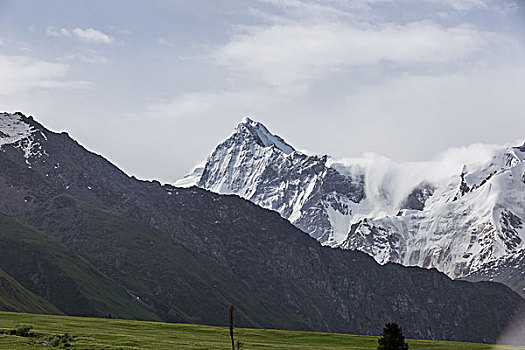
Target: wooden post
{"type": "Point", "coordinates": [231, 325]}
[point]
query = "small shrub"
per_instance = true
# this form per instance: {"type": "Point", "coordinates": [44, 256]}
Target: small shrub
{"type": "Point", "coordinates": [23, 330]}
{"type": "Point", "coordinates": [61, 340]}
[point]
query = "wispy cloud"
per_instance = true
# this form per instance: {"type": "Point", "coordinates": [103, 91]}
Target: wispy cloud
{"type": "Point", "coordinates": [86, 55]}
{"type": "Point", "coordinates": [163, 42]}
{"type": "Point", "coordinates": [190, 105]}
{"type": "Point", "coordinates": [288, 54]}
{"type": "Point", "coordinates": [20, 73]}
{"type": "Point", "coordinates": [462, 5]}
{"type": "Point", "coordinates": [62, 32]}
{"type": "Point", "coordinates": [92, 58]}
{"type": "Point", "coordinates": [120, 30]}
{"type": "Point", "coordinates": [91, 35]}
{"type": "Point", "coordinates": [388, 182]}
{"type": "Point", "coordinates": [459, 5]}
{"type": "Point", "coordinates": [88, 35]}
{"type": "Point", "coordinates": [295, 44]}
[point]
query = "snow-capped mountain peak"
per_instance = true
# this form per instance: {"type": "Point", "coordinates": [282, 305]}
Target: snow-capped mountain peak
{"type": "Point", "coordinates": [261, 135]}
{"type": "Point", "coordinates": [260, 166]}
{"type": "Point", "coordinates": [454, 218]}
{"type": "Point", "coordinates": [250, 139]}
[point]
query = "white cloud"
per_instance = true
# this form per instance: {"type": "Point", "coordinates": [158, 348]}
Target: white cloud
{"type": "Point", "coordinates": [469, 5]}
{"type": "Point", "coordinates": [334, 6]}
{"type": "Point", "coordinates": [92, 58]}
{"type": "Point", "coordinates": [88, 35]}
{"type": "Point", "coordinates": [460, 5]}
{"type": "Point", "coordinates": [87, 56]}
{"type": "Point", "coordinates": [62, 32]}
{"type": "Point", "coordinates": [164, 42]}
{"type": "Point", "coordinates": [296, 44]}
{"type": "Point", "coordinates": [213, 104]}
{"type": "Point", "coordinates": [313, 10]}
{"type": "Point", "coordinates": [91, 35]}
{"type": "Point", "coordinates": [291, 54]}
{"type": "Point", "coordinates": [388, 183]}
{"type": "Point", "coordinates": [19, 74]}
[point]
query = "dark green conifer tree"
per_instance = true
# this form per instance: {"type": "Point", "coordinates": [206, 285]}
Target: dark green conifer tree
{"type": "Point", "coordinates": [392, 338]}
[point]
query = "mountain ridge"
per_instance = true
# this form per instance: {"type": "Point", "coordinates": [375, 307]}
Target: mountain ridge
{"type": "Point", "coordinates": [341, 204]}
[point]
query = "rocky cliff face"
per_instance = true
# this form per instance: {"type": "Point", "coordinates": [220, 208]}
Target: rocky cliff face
{"type": "Point", "coordinates": [313, 196]}
{"type": "Point", "coordinates": [456, 223]}
{"type": "Point", "coordinates": [187, 253]}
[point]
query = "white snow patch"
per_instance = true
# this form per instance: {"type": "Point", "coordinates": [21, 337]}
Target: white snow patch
{"type": "Point", "coordinates": [340, 223]}
{"type": "Point", "coordinates": [191, 179]}
{"type": "Point", "coordinates": [21, 135]}
{"type": "Point", "coordinates": [13, 129]}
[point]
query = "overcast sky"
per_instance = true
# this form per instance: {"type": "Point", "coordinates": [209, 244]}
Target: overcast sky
{"type": "Point", "coordinates": [155, 85]}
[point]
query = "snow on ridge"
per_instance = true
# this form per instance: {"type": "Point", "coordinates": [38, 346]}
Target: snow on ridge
{"type": "Point", "coordinates": [191, 179]}
{"type": "Point", "coordinates": [248, 135]}
{"type": "Point", "coordinates": [264, 137]}
{"type": "Point", "coordinates": [517, 153]}
{"type": "Point", "coordinates": [16, 132]}
{"type": "Point", "coordinates": [13, 129]}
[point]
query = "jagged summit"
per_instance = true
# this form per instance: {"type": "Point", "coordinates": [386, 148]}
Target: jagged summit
{"type": "Point", "coordinates": [250, 139]}
{"type": "Point", "coordinates": [248, 120]}
{"type": "Point", "coordinates": [261, 135]}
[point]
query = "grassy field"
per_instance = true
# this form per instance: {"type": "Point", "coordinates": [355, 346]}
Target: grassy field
{"type": "Point", "coordinates": [93, 333]}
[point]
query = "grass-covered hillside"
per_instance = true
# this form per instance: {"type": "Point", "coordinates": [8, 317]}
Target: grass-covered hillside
{"type": "Point", "coordinates": [68, 281]}
{"type": "Point", "coordinates": [92, 333]}
{"type": "Point", "coordinates": [14, 297]}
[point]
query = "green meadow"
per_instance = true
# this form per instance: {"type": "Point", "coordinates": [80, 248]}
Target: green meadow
{"type": "Point", "coordinates": [97, 333]}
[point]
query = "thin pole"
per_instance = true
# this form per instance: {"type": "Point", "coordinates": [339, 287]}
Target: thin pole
{"type": "Point", "coordinates": [231, 325]}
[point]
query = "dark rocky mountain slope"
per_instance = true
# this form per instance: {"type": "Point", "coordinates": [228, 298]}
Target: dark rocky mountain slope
{"type": "Point", "coordinates": [187, 253]}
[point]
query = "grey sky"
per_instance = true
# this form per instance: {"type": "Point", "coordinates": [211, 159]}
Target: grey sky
{"type": "Point", "coordinates": [155, 85]}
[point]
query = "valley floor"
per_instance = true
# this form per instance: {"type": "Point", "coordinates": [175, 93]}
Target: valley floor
{"type": "Point", "coordinates": [96, 333]}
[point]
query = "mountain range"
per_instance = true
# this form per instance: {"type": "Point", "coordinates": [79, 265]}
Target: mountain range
{"type": "Point", "coordinates": [467, 222]}
{"type": "Point", "coordinates": [93, 241]}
